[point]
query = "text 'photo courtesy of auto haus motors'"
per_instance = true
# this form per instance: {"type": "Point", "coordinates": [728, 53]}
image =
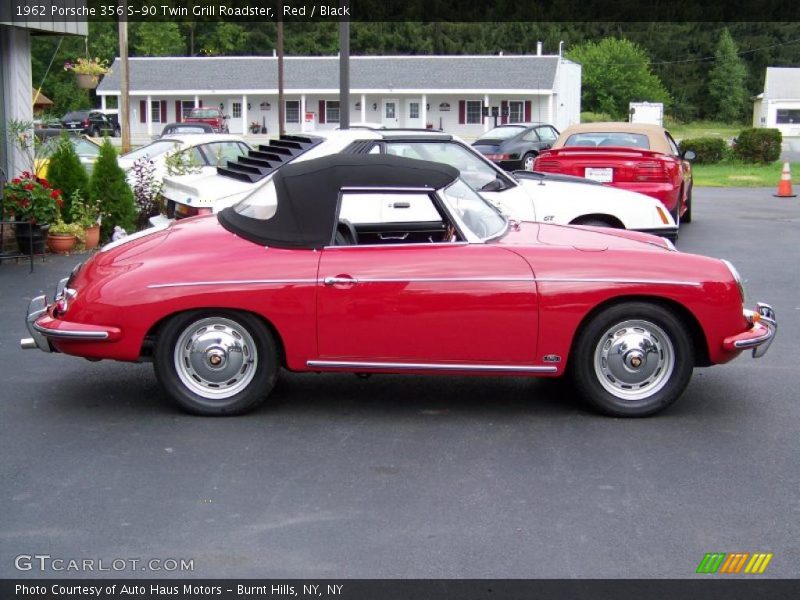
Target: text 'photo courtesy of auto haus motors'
{"type": "Point", "coordinates": [384, 262]}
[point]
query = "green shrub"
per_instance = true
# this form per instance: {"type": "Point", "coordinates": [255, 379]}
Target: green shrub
{"type": "Point", "coordinates": [758, 145]}
{"type": "Point", "coordinates": [709, 150]}
{"type": "Point", "coordinates": [595, 117]}
{"type": "Point", "coordinates": [110, 192]}
{"type": "Point", "coordinates": [66, 173]}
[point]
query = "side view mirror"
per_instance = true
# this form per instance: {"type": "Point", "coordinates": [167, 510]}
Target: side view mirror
{"type": "Point", "coordinates": [689, 155]}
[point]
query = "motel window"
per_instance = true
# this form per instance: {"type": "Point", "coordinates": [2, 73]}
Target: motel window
{"type": "Point", "coordinates": [186, 108]}
{"type": "Point", "coordinates": [516, 112]}
{"type": "Point", "coordinates": [293, 111]}
{"type": "Point", "coordinates": [236, 110]}
{"type": "Point", "coordinates": [787, 116]}
{"type": "Point", "coordinates": [155, 111]}
{"type": "Point", "coordinates": [474, 112]}
{"type": "Point", "coordinates": [331, 111]}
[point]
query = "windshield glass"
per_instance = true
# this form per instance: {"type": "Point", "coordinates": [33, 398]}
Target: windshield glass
{"type": "Point", "coordinates": [261, 204]}
{"type": "Point", "coordinates": [152, 150]}
{"type": "Point", "coordinates": [474, 170]}
{"type": "Point", "coordinates": [501, 133]}
{"type": "Point", "coordinates": [473, 211]}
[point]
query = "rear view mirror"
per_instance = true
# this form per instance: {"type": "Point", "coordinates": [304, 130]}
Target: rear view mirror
{"type": "Point", "coordinates": [689, 155]}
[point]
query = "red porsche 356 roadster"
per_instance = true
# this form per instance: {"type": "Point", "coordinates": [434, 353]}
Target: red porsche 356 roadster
{"type": "Point", "coordinates": [432, 280]}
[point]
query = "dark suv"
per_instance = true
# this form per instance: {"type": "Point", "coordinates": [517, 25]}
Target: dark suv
{"type": "Point", "coordinates": [90, 122]}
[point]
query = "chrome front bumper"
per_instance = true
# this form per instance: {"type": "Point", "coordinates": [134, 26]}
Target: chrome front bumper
{"type": "Point", "coordinates": [36, 308]}
{"type": "Point", "coordinates": [764, 326]}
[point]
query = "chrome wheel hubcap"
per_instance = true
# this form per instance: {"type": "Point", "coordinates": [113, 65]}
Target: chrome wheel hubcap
{"type": "Point", "coordinates": [529, 163]}
{"type": "Point", "coordinates": [215, 358]}
{"type": "Point", "coordinates": [634, 359]}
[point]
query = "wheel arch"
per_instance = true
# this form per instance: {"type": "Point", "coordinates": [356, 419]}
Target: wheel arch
{"type": "Point", "coordinates": [611, 220]}
{"type": "Point", "coordinates": [150, 338]}
{"type": "Point", "coordinates": [696, 333]}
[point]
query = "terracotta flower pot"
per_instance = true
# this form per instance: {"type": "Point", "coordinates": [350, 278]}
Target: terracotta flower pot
{"type": "Point", "coordinates": [86, 81]}
{"type": "Point", "coordinates": [92, 237]}
{"type": "Point", "coordinates": [61, 244]}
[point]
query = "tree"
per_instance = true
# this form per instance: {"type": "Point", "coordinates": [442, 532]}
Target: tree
{"type": "Point", "coordinates": [66, 173]}
{"type": "Point", "coordinates": [110, 192]}
{"type": "Point", "coordinates": [726, 83]}
{"type": "Point", "coordinates": [615, 73]}
{"type": "Point", "coordinates": [159, 39]}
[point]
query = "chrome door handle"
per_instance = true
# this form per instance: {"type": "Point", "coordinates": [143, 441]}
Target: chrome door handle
{"type": "Point", "coordinates": [340, 281]}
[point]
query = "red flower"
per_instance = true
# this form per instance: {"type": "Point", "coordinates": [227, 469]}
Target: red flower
{"type": "Point", "coordinates": [24, 203]}
{"type": "Point", "coordinates": [16, 180]}
{"type": "Point", "coordinates": [60, 203]}
{"type": "Point", "coordinates": [43, 181]}
{"type": "Point", "coordinates": [29, 187]}
{"type": "Point", "coordinates": [55, 194]}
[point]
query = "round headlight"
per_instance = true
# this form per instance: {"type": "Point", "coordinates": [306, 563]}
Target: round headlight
{"type": "Point", "coordinates": [736, 277]}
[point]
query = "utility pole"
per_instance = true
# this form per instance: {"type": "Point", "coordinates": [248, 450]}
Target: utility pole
{"type": "Point", "coordinates": [123, 115]}
{"type": "Point", "coordinates": [344, 73]}
{"type": "Point", "coordinates": [281, 103]}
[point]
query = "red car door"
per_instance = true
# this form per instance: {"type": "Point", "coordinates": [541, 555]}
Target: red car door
{"type": "Point", "coordinates": [428, 303]}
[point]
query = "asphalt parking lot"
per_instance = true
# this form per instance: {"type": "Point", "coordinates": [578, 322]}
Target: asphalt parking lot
{"type": "Point", "coordinates": [413, 476]}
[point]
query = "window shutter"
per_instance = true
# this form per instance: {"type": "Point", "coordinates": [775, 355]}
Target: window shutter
{"type": "Point", "coordinates": [178, 111]}
{"type": "Point", "coordinates": [528, 111]}
{"type": "Point", "coordinates": [503, 108]}
{"type": "Point", "coordinates": [321, 113]}
{"type": "Point", "coordinates": [163, 111]}
{"type": "Point", "coordinates": [462, 112]}
{"type": "Point", "coordinates": [199, 102]}
{"type": "Point", "coordinates": [142, 111]}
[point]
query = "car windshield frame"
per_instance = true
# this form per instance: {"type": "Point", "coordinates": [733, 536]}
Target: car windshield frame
{"type": "Point", "coordinates": [508, 131]}
{"type": "Point", "coordinates": [477, 207]}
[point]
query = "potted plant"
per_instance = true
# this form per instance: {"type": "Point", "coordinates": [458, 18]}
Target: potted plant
{"type": "Point", "coordinates": [84, 213]}
{"type": "Point", "coordinates": [254, 127]}
{"type": "Point", "coordinates": [62, 237]}
{"type": "Point", "coordinates": [28, 198]}
{"type": "Point", "coordinates": [88, 71]}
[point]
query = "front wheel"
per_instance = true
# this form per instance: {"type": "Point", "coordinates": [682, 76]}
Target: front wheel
{"type": "Point", "coordinates": [216, 362]}
{"type": "Point", "coordinates": [632, 360]}
{"type": "Point", "coordinates": [528, 160]}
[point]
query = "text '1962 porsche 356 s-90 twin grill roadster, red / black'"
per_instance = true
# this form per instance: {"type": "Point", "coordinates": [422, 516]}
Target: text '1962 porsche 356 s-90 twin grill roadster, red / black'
{"type": "Point", "coordinates": [384, 264]}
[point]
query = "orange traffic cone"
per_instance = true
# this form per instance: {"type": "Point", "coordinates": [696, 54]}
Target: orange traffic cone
{"type": "Point", "coordinates": [785, 185]}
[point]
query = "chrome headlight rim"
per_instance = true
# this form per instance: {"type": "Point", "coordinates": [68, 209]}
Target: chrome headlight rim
{"type": "Point", "coordinates": [737, 277]}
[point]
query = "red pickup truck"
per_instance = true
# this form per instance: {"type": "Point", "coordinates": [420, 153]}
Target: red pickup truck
{"type": "Point", "coordinates": [633, 156]}
{"type": "Point", "coordinates": [211, 116]}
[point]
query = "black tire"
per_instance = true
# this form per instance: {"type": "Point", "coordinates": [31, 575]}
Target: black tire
{"type": "Point", "coordinates": [676, 213]}
{"type": "Point", "coordinates": [594, 223]}
{"type": "Point", "coordinates": [530, 156]}
{"type": "Point", "coordinates": [199, 385]}
{"type": "Point", "coordinates": [687, 216]}
{"type": "Point", "coordinates": [607, 349]}
{"type": "Point", "coordinates": [92, 132]}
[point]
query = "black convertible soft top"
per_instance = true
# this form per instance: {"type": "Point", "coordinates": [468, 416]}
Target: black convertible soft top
{"type": "Point", "coordinates": [308, 195]}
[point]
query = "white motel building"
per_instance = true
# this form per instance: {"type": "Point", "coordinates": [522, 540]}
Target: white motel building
{"type": "Point", "coordinates": [436, 92]}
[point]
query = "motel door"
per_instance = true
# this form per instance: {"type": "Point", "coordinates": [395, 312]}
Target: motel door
{"type": "Point", "coordinates": [391, 113]}
{"type": "Point", "coordinates": [413, 114]}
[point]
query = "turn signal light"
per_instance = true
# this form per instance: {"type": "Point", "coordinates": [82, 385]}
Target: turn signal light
{"type": "Point", "coordinates": [663, 215]}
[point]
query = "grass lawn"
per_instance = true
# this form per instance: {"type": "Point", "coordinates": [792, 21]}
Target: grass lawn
{"type": "Point", "coordinates": [697, 129]}
{"type": "Point", "coordinates": [735, 174]}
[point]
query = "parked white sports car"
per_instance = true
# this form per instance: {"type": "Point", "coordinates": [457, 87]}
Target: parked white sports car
{"type": "Point", "coordinates": [206, 151]}
{"type": "Point", "coordinates": [523, 195]}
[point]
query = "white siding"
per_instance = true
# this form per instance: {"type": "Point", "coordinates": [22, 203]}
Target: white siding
{"type": "Point", "coordinates": [15, 48]}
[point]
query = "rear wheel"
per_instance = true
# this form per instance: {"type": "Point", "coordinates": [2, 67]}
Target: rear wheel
{"type": "Point", "coordinates": [216, 362]}
{"type": "Point", "coordinates": [632, 360]}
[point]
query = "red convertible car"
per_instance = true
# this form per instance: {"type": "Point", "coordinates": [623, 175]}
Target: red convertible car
{"type": "Point", "coordinates": [440, 282]}
{"type": "Point", "coordinates": [638, 157]}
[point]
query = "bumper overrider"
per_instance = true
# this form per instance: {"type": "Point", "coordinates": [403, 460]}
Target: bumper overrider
{"type": "Point", "coordinates": [44, 327]}
{"type": "Point", "coordinates": [764, 325]}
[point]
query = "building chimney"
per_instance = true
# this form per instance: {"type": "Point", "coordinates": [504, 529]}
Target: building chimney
{"type": "Point", "coordinates": [538, 48]}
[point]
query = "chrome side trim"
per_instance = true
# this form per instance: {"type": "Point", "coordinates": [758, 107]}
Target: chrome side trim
{"type": "Point", "coordinates": [346, 364]}
{"type": "Point", "coordinates": [230, 282]}
{"type": "Point", "coordinates": [407, 246]}
{"type": "Point", "coordinates": [70, 335]}
{"type": "Point", "coordinates": [430, 280]}
{"type": "Point", "coordinates": [613, 280]}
